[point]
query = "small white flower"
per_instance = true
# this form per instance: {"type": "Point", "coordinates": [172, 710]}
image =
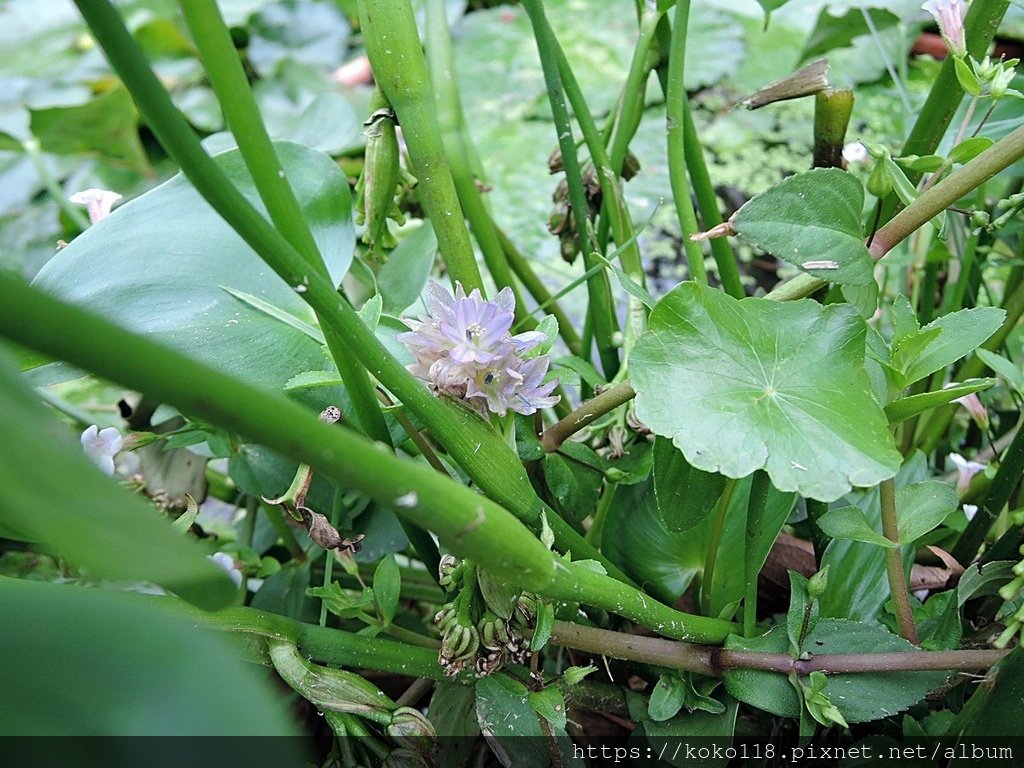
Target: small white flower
{"type": "Point", "coordinates": [855, 152]}
{"type": "Point", "coordinates": [965, 470]}
{"type": "Point", "coordinates": [97, 201]}
{"type": "Point", "coordinates": [101, 445]}
{"type": "Point", "coordinates": [227, 562]}
{"type": "Point", "coordinates": [970, 510]}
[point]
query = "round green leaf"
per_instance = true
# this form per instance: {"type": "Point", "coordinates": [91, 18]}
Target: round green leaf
{"type": "Point", "coordinates": [759, 384]}
{"type": "Point", "coordinates": [161, 264]}
{"type": "Point", "coordinates": [812, 218]}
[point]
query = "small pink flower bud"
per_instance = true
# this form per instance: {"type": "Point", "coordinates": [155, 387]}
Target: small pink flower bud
{"type": "Point", "coordinates": [949, 15]}
{"type": "Point", "coordinates": [97, 201]}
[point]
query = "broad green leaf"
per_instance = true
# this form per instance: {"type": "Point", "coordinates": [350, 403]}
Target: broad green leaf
{"type": "Point", "coordinates": [968, 149]}
{"type": "Point", "coordinates": [53, 496]}
{"type": "Point", "coordinates": [922, 506]}
{"type": "Point", "coordinates": [685, 495]}
{"type": "Point", "coordinates": [667, 698]}
{"type": "Point", "coordinates": [759, 384]}
{"type": "Point", "coordinates": [387, 586]}
{"type": "Point", "coordinates": [850, 523]}
{"type": "Point", "coordinates": [88, 662]}
{"type": "Point", "coordinates": [811, 218]}
{"type": "Point", "coordinates": [838, 31]}
{"type": "Point", "coordinates": [453, 713]}
{"type": "Point", "coordinates": [402, 278]}
{"type": "Point", "coordinates": [665, 562]}
{"type": "Point", "coordinates": [669, 739]}
{"type": "Point", "coordinates": [907, 407]}
{"type": "Point", "coordinates": [859, 697]}
{"type": "Point", "coordinates": [270, 310]}
{"type": "Point", "coordinates": [549, 704]}
{"type": "Point", "coordinates": [105, 126]}
{"type": "Point", "coordinates": [959, 333]}
{"type": "Point", "coordinates": [301, 30]}
{"type": "Point", "coordinates": [1003, 367]}
{"type": "Point", "coordinates": [505, 715]}
{"type": "Point", "coordinates": [575, 485]}
{"type": "Point", "coordinates": [156, 266]}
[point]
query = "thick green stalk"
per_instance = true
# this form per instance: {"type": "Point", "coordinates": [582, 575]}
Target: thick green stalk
{"type": "Point", "coordinates": [393, 45]}
{"type": "Point", "coordinates": [614, 204]}
{"type": "Point", "coordinates": [832, 110]}
{"type": "Point", "coordinates": [1011, 467]}
{"type": "Point", "coordinates": [477, 448]}
{"type": "Point", "coordinates": [536, 288]}
{"type": "Point", "coordinates": [601, 308]}
{"type": "Point", "coordinates": [980, 25]}
{"type": "Point", "coordinates": [898, 590]}
{"type": "Point", "coordinates": [707, 202]}
{"type": "Point", "coordinates": [708, 660]}
{"type": "Point", "coordinates": [675, 132]}
{"type": "Point", "coordinates": [242, 114]}
{"type": "Point", "coordinates": [759, 487]}
{"type": "Point", "coordinates": [471, 525]}
{"type": "Point", "coordinates": [700, 179]}
{"type": "Point", "coordinates": [441, 68]}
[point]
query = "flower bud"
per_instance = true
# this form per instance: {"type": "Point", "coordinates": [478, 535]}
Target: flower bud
{"type": "Point", "coordinates": [379, 183]}
{"type": "Point", "coordinates": [411, 729]}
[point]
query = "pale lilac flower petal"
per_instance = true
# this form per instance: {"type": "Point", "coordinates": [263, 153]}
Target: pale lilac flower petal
{"type": "Point", "coordinates": [97, 201]}
{"type": "Point", "coordinates": [465, 350]}
{"type": "Point", "coordinates": [101, 445]}
{"type": "Point", "coordinates": [855, 152]}
{"type": "Point", "coordinates": [949, 15]}
{"type": "Point", "coordinates": [965, 470]}
{"type": "Point", "coordinates": [974, 407]}
{"type": "Point", "coordinates": [970, 510]}
{"type": "Point", "coordinates": [227, 562]}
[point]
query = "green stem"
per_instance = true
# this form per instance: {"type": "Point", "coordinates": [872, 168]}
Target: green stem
{"type": "Point", "coordinates": [832, 110]}
{"type": "Point", "coordinates": [894, 563]}
{"type": "Point", "coordinates": [587, 413]}
{"type": "Point", "coordinates": [457, 147]}
{"type": "Point", "coordinates": [73, 212]}
{"type": "Point", "coordinates": [675, 133]}
{"type": "Point", "coordinates": [536, 288]}
{"type": "Point", "coordinates": [709, 660]}
{"type": "Point", "coordinates": [469, 524]}
{"type": "Point", "coordinates": [707, 202]}
{"type": "Point", "coordinates": [231, 85]}
{"type": "Point", "coordinates": [1011, 467]}
{"type": "Point", "coordinates": [469, 440]}
{"type": "Point", "coordinates": [604, 504]}
{"type": "Point", "coordinates": [980, 25]}
{"type": "Point", "coordinates": [759, 487]}
{"type": "Point", "coordinates": [996, 158]}
{"type": "Point", "coordinates": [601, 308]}
{"type": "Point", "coordinates": [999, 156]}
{"type": "Point", "coordinates": [714, 542]}
{"type": "Point", "coordinates": [393, 45]}
{"type": "Point", "coordinates": [284, 532]}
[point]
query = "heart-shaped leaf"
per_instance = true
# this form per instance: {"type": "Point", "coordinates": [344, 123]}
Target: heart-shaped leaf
{"type": "Point", "coordinates": [759, 384]}
{"type": "Point", "coordinates": [160, 264]}
{"type": "Point", "coordinates": [811, 220]}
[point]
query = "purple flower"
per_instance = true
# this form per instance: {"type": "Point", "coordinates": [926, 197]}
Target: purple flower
{"type": "Point", "coordinates": [949, 15]}
{"type": "Point", "coordinates": [464, 349]}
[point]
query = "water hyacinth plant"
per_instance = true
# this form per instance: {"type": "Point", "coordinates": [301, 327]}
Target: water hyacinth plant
{"type": "Point", "coordinates": [333, 400]}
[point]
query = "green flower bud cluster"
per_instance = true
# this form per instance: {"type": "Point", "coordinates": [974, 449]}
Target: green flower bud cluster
{"type": "Point", "coordinates": [477, 634]}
